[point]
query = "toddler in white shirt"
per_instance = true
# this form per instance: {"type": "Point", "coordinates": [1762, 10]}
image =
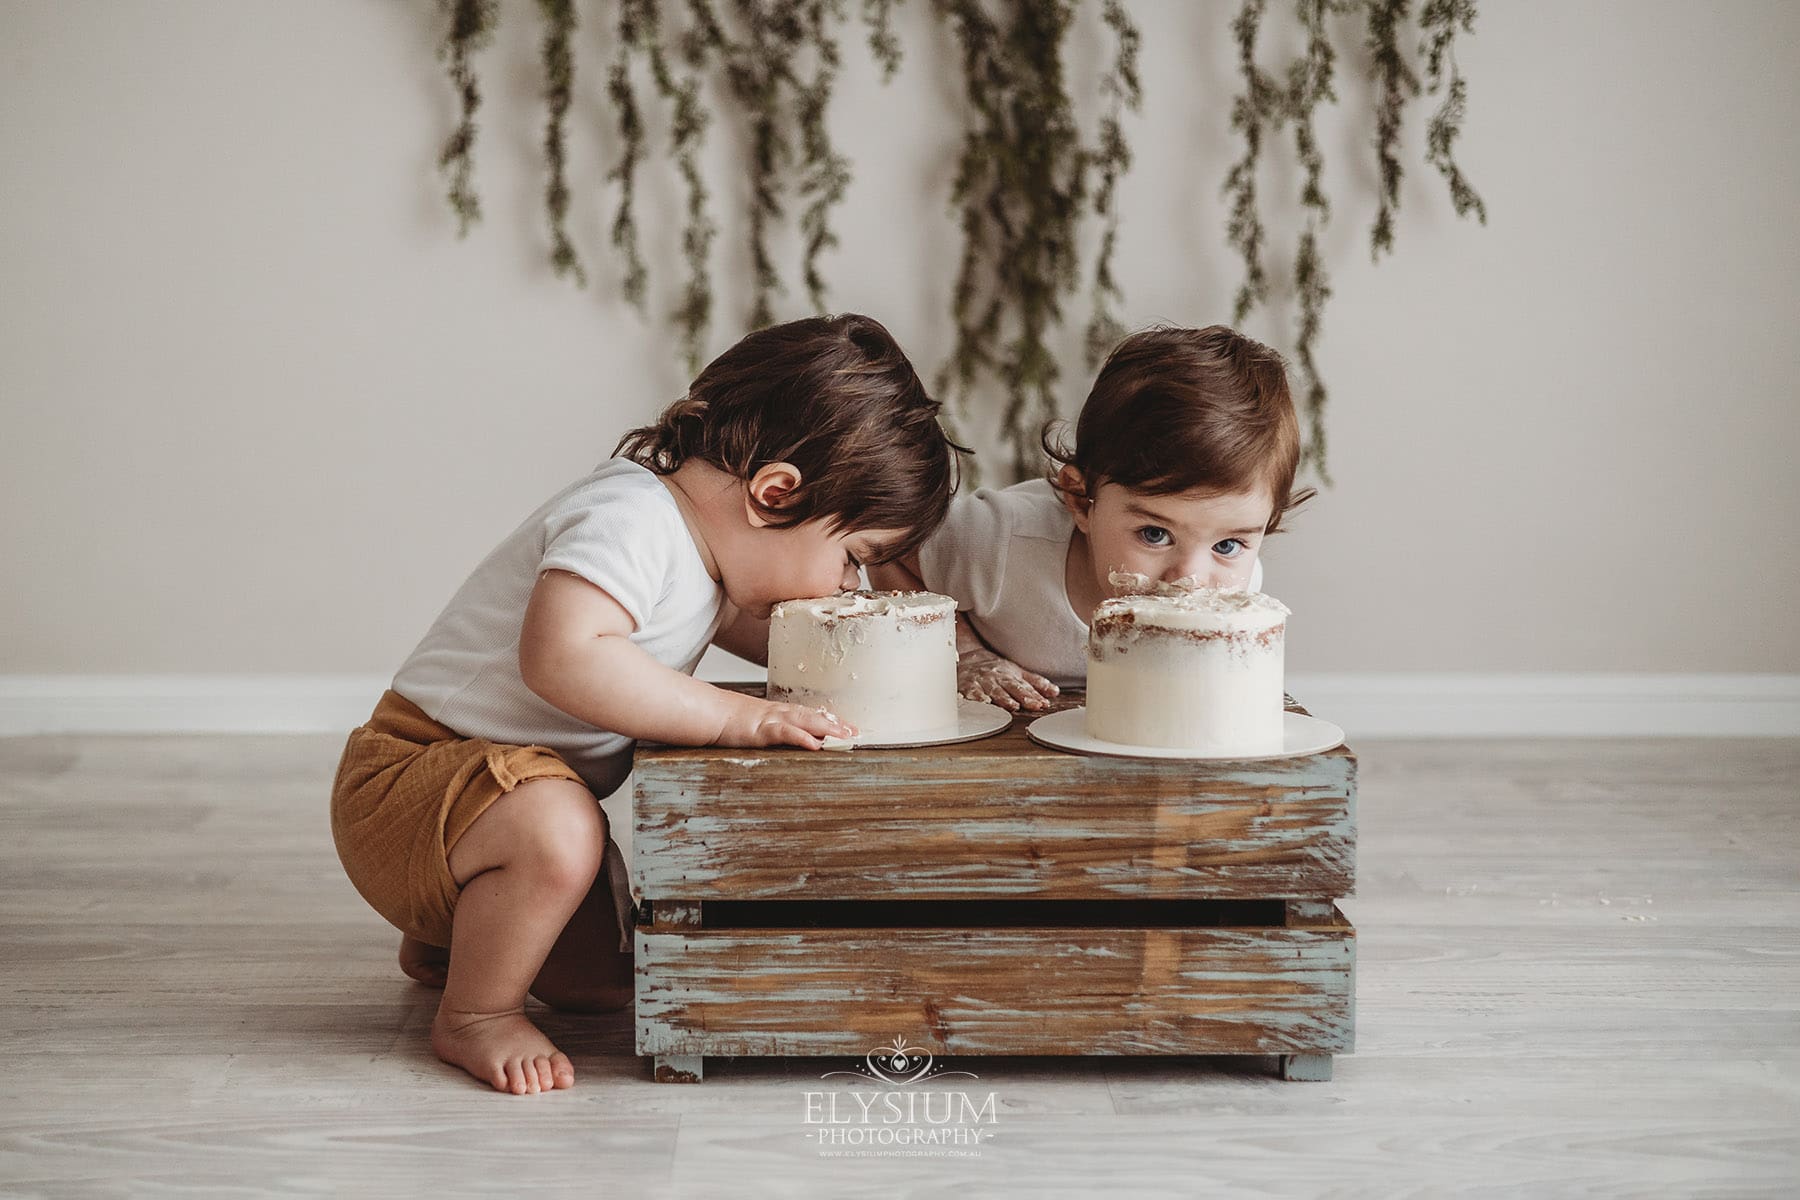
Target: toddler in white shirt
{"type": "Point", "coordinates": [466, 809]}
{"type": "Point", "coordinates": [1183, 464]}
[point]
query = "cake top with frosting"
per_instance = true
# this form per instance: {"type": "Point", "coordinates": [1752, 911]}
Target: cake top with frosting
{"type": "Point", "coordinates": [849, 605]}
{"type": "Point", "coordinates": [1186, 605]}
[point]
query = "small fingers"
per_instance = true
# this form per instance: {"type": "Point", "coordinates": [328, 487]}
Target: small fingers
{"type": "Point", "coordinates": [1044, 686]}
{"type": "Point", "coordinates": [818, 722]}
{"type": "Point", "coordinates": [826, 723]}
{"type": "Point", "coordinates": [994, 690]}
{"type": "Point", "coordinates": [1024, 694]}
{"type": "Point", "coordinates": [793, 735]}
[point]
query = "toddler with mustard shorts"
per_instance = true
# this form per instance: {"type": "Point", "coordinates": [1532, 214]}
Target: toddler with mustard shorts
{"type": "Point", "coordinates": [1182, 465]}
{"type": "Point", "coordinates": [466, 811]}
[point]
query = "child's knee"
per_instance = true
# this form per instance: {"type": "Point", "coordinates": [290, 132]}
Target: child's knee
{"type": "Point", "coordinates": [563, 834]}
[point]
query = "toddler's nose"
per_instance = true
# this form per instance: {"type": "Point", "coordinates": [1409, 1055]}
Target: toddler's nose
{"type": "Point", "coordinates": [1201, 573]}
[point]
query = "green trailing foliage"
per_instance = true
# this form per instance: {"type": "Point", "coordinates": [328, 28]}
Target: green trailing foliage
{"type": "Point", "coordinates": [1309, 85]}
{"type": "Point", "coordinates": [636, 29]}
{"type": "Point", "coordinates": [471, 29]}
{"type": "Point", "coordinates": [1021, 185]}
{"type": "Point", "coordinates": [1121, 90]}
{"type": "Point", "coordinates": [1440, 20]}
{"type": "Point", "coordinates": [1257, 110]}
{"type": "Point", "coordinates": [825, 172]}
{"type": "Point", "coordinates": [559, 82]}
{"type": "Point", "coordinates": [879, 16]}
{"type": "Point", "coordinates": [1395, 84]}
{"type": "Point", "coordinates": [1026, 176]}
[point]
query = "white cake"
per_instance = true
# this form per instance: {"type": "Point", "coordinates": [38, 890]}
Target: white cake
{"type": "Point", "coordinates": [1193, 668]}
{"type": "Point", "coordinates": [883, 661]}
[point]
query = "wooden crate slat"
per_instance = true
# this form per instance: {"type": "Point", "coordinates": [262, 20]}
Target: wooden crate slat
{"type": "Point", "coordinates": [991, 991]}
{"type": "Point", "coordinates": [1053, 827]}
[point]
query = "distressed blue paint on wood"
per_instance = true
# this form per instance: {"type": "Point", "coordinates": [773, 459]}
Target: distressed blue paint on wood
{"type": "Point", "coordinates": [992, 991]}
{"type": "Point", "coordinates": [1313, 1068]}
{"type": "Point", "coordinates": [1002, 817]}
{"type": "Point", "coordinates": [679, 1068]}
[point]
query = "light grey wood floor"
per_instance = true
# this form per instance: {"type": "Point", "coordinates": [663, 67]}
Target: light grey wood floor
{"type": "Point", "coordinates": [1578, 973]}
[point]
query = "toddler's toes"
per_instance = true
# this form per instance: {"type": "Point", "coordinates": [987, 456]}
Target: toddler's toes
{"type": "Point", "coordinates": [515, 1078]}
{"type": "Point", "coordinates": [503, 1050]}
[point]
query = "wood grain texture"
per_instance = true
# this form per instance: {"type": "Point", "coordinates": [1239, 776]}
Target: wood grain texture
{"type": "Point", "coordinates": [1578, 974]}
{"type": "Point", "coordinates": [998, 817]}
{"type": "Point", "coordinates": [997, 991]}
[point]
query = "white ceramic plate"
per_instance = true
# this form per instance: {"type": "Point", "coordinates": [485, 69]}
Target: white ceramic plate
{"type": "Point", "coordinates": [1067, 730]}
{"type": "Point", "coordinates": [974, 719]}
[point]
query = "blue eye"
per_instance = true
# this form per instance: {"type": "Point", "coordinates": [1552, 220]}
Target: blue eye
{"type": "Point", "coordinates": [1155, 535]}
{"type": "Point", "coordinates": [1238, 542]}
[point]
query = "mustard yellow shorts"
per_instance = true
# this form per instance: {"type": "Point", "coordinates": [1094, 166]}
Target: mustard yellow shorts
{"type": "Point", "coordinates": [407, 789]}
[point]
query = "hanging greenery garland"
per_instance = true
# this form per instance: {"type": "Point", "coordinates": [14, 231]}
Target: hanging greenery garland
{"type": "Point", "coordinates": [471, 28]}
{"type": "Point", "coordinates": [1026, 178]}
{"type": "Point", "coordinates": [1122, 91]}
{"type": "Point", "coordinates": [1440, 20]}
{"type": "Point", "coordinates": [559, 77]}
{"type": "Point", "coordinates": [1309, 84]}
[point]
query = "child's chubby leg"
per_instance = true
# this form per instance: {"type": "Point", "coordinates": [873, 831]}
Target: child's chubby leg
{"type": "Point", "coordinates": [524, 867]}
{"type": "Point", "coordinates": [582, 974]}
{"type": "Point", "coordinates": [428, 964]}
{"type": "Point", "coordinates": [585, 971]}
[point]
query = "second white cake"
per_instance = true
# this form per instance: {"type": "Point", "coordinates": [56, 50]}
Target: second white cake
{"type": "Point", "coordinates": [1188, 668]}
{"type": "Point", "coordinates": [883, 661]}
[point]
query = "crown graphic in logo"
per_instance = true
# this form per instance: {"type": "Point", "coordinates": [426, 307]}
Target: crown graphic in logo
{"type": "Point", "coordinates": [899, 1063]}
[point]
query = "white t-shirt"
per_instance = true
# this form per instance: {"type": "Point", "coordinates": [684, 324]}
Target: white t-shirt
{"type": "Point", "coordinates": [619, 529]}
{"type": "Point", "coordinates": [1002, 554]}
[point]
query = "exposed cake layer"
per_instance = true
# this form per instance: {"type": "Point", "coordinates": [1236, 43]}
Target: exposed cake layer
{"type": "Point", "coordinates": [1190, 668]}
{"type": "Point", "coordinates": [883, 661]}
{"type": "Point", "coordinates": [1181, 607]}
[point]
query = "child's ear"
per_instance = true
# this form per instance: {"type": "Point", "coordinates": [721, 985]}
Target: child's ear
{"type": "Point", "coordinates": [772, 487]}
{"type": "Point", "coordinates": [1071, 487]}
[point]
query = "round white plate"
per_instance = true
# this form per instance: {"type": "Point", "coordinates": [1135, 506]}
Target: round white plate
{"type": "Point", "coordinates": [1067, 730]}
{"type": "Point", "coordinates": [974, 719]}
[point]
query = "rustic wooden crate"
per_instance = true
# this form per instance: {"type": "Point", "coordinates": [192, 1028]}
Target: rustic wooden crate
{"type": "Point", "coordinates": [821, 903]}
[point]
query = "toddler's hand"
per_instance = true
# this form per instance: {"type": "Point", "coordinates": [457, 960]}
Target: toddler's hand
{"type": "Point", "coordinates": [984, 675]}
{"type": "Point", "coordinates": [766, 723]}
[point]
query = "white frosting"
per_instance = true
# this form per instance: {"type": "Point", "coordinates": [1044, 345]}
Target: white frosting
{"type": "Point", "coordinates": [883, 661]}
{"type": "Point", "coordinates": [1193, 668]}
{"type": "Point", "coordinates": [1181, 605]}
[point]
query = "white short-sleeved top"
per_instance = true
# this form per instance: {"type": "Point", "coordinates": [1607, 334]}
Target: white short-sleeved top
{"type": "Point", "coordinates": [1002, 554]}
{"type": "Point", "coordinates": [618, 528]}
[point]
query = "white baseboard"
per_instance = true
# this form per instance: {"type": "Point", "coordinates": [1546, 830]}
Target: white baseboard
{"type": "Point", "coordinates": [1367, 705]}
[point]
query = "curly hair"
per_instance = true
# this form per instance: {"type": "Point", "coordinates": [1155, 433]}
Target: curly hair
{"type": "Point", "coordinates": [1176, 410]}
{"type": "Point", "coordinates": [837, 398]}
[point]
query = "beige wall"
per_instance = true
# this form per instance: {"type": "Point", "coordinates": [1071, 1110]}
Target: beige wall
{"type": "Point", "coordinates": [263, 410]}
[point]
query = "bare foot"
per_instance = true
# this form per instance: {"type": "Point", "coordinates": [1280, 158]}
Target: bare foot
{"type": "Point", "coordinates": [503, 1050]}
{"type": "Point", "coordinates": [428, 964]}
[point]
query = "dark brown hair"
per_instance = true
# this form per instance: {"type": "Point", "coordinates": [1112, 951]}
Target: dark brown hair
{"type": "Point", "coordinates": [837, 398]}
{"type": "Point", "coordinates": [1174, 410]}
